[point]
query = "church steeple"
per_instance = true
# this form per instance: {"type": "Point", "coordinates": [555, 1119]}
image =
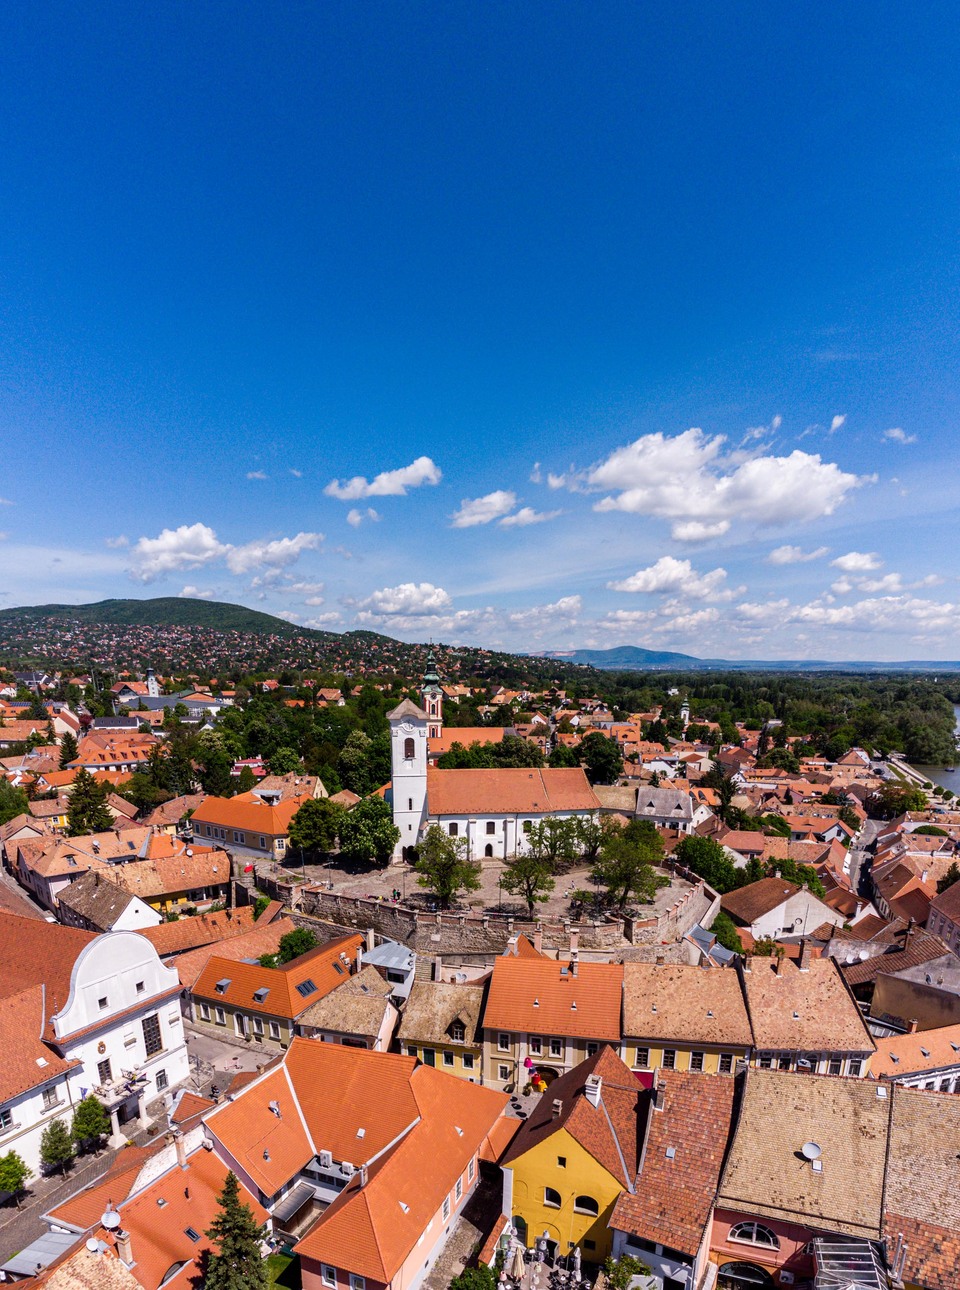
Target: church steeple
{"type": "Point", "coordinates": [432, 697]}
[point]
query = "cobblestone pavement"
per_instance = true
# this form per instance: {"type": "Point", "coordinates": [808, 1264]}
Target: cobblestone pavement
{"type": "Point", "coordinates": [18, 1227]}
{"type": "Point", "coordinates": [469, 1232]}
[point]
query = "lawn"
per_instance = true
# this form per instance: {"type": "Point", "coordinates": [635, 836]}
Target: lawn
{"type": "Point", "coordinates": [284, 1270]}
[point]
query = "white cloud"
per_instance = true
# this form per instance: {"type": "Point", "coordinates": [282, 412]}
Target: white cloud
{"type": "Point", "coordinates": [857, 562]}
{"type": "Point", "coordinates": [540, 618]}
{"type": "Point", "coordinates": [389, 483]}
{"type": "Point", "coordinates": [6, 501]}
{"type": "Point", "coordinates": [679, 576]}
{"type": "Point", "coordinates": [896, 435]}
{"type": "Point", "coordinates": [356, 517]}
{"type": "Point", "coordinates": [297, 474]}
{"type": "Point", "coordinates": [536, 475]}
{"type": "Point", "coordinates": [408, 598]}
{"type": "Point", "coordinates": [795, 555]}
{"type": "Point", "coordinates": [770, 612]}
{"type": "Point", "coordinates": [324, 620]}
{"type": "Point", "coordinates": [301, 588]}
{"type": "Point", "coordinates": [837, 422]}
{"type": "Point", "coordinates": [527, 515]}
{"type": "Point", "coordinates": [186, 547]}
{"type": "Point", "coordinates": [257, 474]}
{"type": "Point", "coordinates": [115, 543]}
{"type": "Point", "coordinates": [277, 554]}
{"type": "Point", "coordinates": [897, 614]}
{"type": "Point", "coordinates": [481, 510]}
{"type": "Point", "coordinates": [314, 601]}
{"type": "Point", "coordinates": [196, 593]}
{"type": "Point", "coordinates": [685, 479]}
{"type": "Point", "coordinates": [689, 622]}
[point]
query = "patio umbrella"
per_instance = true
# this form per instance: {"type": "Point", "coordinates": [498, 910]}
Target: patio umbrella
{"type": "Point", "coordinates": [576, 1261]}
{"type": "Point", "coordinates": [515, 1264]}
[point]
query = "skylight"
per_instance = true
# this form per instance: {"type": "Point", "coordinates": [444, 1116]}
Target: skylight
{"type": "Point", "coordinates": [306, 987]}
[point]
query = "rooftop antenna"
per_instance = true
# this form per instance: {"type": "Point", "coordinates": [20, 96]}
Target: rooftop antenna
{"type": "Point", "coordinates": [811, 1151]}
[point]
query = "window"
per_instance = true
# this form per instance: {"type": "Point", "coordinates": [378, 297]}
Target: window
{"type": "Point", "coordinates": [696, 1061]}
{"type": "Point", "coordinates": [409, 749]}
{"type": "Point", "coordinates": [152, 1041]}
{"type": "Point", "coordinates": [6, 1119]}
{"type": "Point", "coordinates": [447, 1058]}
{"type": "Point", "coordinates": [783, 1062]}
{"type": "Point", "coordinates": [446, 1208]}
{"type": "Point", "coordinates": [669, 1059]}
{"type": "Point", "coordinates": [503, 1042]}
{"type": "Point", "coordinates": [458, 1190]}
{"type": "Point", "coordinates": [556, 1047]}
{"type": "Point", "coordinates": [471, 1170]}
{"type": "Point", "coordinates": [221, 1016]}
{"type": "Point", "coordinates": [551, 1198]}
{"type": "Point", "coordinates": [835, 1066]}
{"type": "Point", "coordinates": [527, 825]}
{"type": "Point", "coordinates": [586, 1205]}
{"type": "Point", "coordinates": [263, 843]}
{"type": "Point", "coordinates": [104, 1073]}
{"type": "Point", "coordinates": [357, 1283]}
{"type": "Point", "coordinates": [503, 1072]}
{"type": "Point", "coordinates": [855, 1066]}
{"type": "Point", "coordinates": [592, 1049]}
{"type": "Point", "coordinates": [306, 988]}
{"type": "Point", "coordinates": [589, 1245]}
{"type": "Point", "coordinates": [754, 1234]}
{"type": "Point", "coordinates": [488, 851]}
{"type": "Point", "coordinates": [643, 1058]}
{"type": "Point", "coordinates": [204, 1012]}
{"type": "Point", "coordinates": [162, 1081]}
{"type": "Point", "coordinates": [491, 826]}
{"type": "Point", "coordinates": [726, 1063]}
{"type": "Point", "coordinates": [238, 836]}
{"type": "Point", "coordinates": [412, 1050]}
{"type": "Point", "coordinates": [536, 1045]}
{"type": "Point", "coordinates": [50, 1099]}
{"type": "Point", "coordinates": [328, 1275]}
{"type": "Point", "coordinates": [258, 1025]}
{"type": "Point", "coordinates": [140, 987]}
{"type": "Point", "coordinates": [409, 803]}
{"type": "Point", "coordinates": [765, 1062]}
{"type": "Point", "coordinates": [467, 1059]}
{"type": "Point", "coordinates": [274, 1029]}
{"type": "Point", "coordinates": [192, 1234]}
{"type": "Point", "coordinates": [458, 1032]}
{"type": "Point", "coordinates": [454, 829]}
{"type": "Point", "coordinates": [102, 1003]}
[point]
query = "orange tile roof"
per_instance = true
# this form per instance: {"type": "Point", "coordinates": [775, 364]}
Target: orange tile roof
{"type": "Point", "coordinates": [21, 1049]}
{"type": "Point", "coordinates": [508, 791]}
{"type": "Point", "coordinates": [465, 735]}
{"type": "Point", "coordinates": [248, 813]}
{"type": "Point", "coordinates": [924, 1050]}
{"type": "Point", "coordinates": [202, 929]}
{"type": "Point", "coordinates": [323, 966]}
{"type": "Point", "coordinates": [33, 952]}
{"type": "Point", "coordinates": [545, 997]}
{"type": "Point", "coordinates": [249, 945]}
{"type": "Point", "coordinates": [82, 1210]}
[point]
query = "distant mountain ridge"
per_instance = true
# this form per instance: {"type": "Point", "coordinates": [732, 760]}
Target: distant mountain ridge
{"type": "Point", "coordinates": [634, 658]}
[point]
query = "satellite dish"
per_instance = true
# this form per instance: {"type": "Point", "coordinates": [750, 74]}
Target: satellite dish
{"type": "Point", "coordinates": [93, 1245]}
{"type": "Point", "coordinates": [811, 1151]}
{"type": "Point", "coordinates": [111, 1220]}
{"type": "Point", "coordinates": [864, 955]}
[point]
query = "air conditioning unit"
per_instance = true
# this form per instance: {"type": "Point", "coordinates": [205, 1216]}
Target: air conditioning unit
{"type": "Point", "coordinates": [347, 1169]}
{"type": "Point", "coordinates": [325, 1159]}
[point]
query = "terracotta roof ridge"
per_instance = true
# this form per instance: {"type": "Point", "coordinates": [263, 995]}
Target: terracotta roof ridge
{"type": "Point", "coordinates": [616, 1142]}
{"type": "Point", "coordinates": [296, 1103]}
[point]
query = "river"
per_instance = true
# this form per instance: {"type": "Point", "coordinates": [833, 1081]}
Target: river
{"type": "Point", "coordinates": [937, 774]}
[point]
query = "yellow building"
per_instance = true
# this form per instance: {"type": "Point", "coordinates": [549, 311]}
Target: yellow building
{"type": "Point", "coordinates": [440, 1025]}
{"type": "Point", "coordinates": [573, 1157]}
{"type": "Point", "coordinates": [678, 1017]}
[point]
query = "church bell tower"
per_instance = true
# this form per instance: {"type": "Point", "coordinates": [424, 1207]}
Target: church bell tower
{"type": "Point", "coordinates": [431, 696]}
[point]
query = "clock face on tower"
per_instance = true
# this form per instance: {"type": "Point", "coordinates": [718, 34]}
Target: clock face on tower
{"type": "Point", "coordinates": [405, 725]}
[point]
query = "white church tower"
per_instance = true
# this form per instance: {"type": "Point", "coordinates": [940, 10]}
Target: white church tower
{"type": "Point", "coordinates": [153, 689]}
{"type": "Point", "coordinates": [408, 763]}
{"type": "Point", "coordinates": [432, 697]}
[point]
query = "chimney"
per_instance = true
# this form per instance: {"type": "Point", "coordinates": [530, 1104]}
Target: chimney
{"type": "Point", "coordinates": [806, 955]}
{"type": "Point", "coordinates": [661, 960]}
{"type": "Point", "coordinates": [911, 928]}
{"type": "Point", "coordinates": [574, 965]}
{"type": "Point", "coordinates": [574, 941]}
{"type": "Point", "coordinates": [592, 1090]}
{"type": "Point", "coordinates": [437, 968]}
{"type": "Point", "coordinates": [358, 964]}
{"type": "Point", "coordinates": [538, 939]}
{"type": "Point", "coordinates": [659, 1093]}
{"type": "Point", "coordinates": [557, 1107]}
{"type": "Point", "coordinates": [181, 1149]}
{"type": "Point", "coordinates": [912, 1026]}
{"type": "Point", "coordinates": [371, 942]}
{"type": "Point", "coordinates": [778, 963]}
{"type": "Point", "coordinates": [124, 1248]}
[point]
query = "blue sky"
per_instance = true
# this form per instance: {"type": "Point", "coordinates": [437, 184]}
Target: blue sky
{"type": "Point", "coordinates": [526, 325]}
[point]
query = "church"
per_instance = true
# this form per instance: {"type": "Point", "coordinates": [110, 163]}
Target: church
{"type": "Point", "coordinates": [492, 809]}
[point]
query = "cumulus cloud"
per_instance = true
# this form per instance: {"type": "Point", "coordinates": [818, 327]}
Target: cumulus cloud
{"type": "Point", "coordinates": [409, 598]}
{"type": "Point", "coordinates": [679, 577]}
{"type": "Point", "coordinates": [389, 483]}
{"type": "Point", "coordinates": [196, 593]}
{"type": "Point", "coordinates": [896, 435]}
{"type": "Point", "coordinates": [795, 555]}
{"type": "Point", "coordinates": [837, 422]}
{"type": "Point", "coordinates": [257, 474]}
{"type": "Point", "coordinates": [6, 501]}
{"type": "Point", "coordinates": [527, 515]}
{"type": "Point", "coordinates": [115, 543]}
{"type": "Point", "coordinates": [857, 562]}
{"type": "Point", "coordinates": [536, 475]}
{"type": "Point", "coordinates": [897, 614]}
{"type": "Point", "coordinates": [768, 612]}
{"type": "Point", "coordinates": [355, 517]}
{"type": "Point", "coordinates": [191, 546]}
{"type": "Point", "coordinates": [685, 479]}
{"type": "Point", "coordinates": [324, 620]}
{"type": "Point", "coordinates": [277, 554]}
{"type": "Point", "coordinates": [540, 618]}
{"type": "Point", "coordinates": [297, 474]}
{"type": "Point", "coordinates": [482, 510]}
{"type": "Point", "coordinates": [301, 588]}
{"type": "Point", "coordinates": [690, 622]}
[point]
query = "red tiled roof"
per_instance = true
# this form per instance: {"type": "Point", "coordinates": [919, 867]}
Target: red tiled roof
{"type": "Point", "coordinates": [322, 966]}
{"type": "Point", "coordinates": [546, 997]}
{"type": "Point", "coordinates": [508, 791]}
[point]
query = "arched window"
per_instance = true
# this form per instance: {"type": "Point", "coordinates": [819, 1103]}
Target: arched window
{"type": "Point", "coordinates": [409, 750]}
{"type": "Point", "coordinates": [743, 1276]}
{"type": "Point", "coordinates": [586, 1205]}
{"type": "Point", "coordinates": [551, 1198]}
{"type": "Point", "coordinates": [754, 1234]}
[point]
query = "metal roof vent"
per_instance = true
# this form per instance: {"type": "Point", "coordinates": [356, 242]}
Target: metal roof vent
{"type": "Point", "coordinates": [275, 1108]}
{"type": "Point", "coordinates": [671, 1153]}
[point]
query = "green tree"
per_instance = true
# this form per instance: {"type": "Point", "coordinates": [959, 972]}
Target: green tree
{"type": "Point", "coordinates": [354, 763]}
{"type": "Point", "coordinates": [781, 759]}
{"type": "Point", "coordinates": [479, 1278]}
{"type": "Point", "coordinates": [708, 860]}
{"type": "Point", "coordinates": [13, 801]}
{"type": "Point", "coordinates": [285, 762]}
{"type": "Point", "coordinates": [589, 834]}
{"type": "Point", "coordinates": [88, 811]}
{"type": "Point", "coordinates": [293, 944]}
{"type": "Point", "coordinates": [443, 867]}
{"type": "Point", "coordinates": [246, 780]}
{"type": "Point", "coordinates": [316, 825]}
{"type": "Point", "coordinates": [725, 930]}
{"type": "Point", "coordinates": [717, 778]}
{"type": "Point", "coordinates": [90, 1123]}
{"type": "Point", "coordinates": [553, 840]}
{"type": "Point", "coordinates": [235, 1264]}
{"type": "Point", "coordinates": [367, 833]}
{"type": "Point", "coordinates": [949, 878]}
{"type": "Point", "coordinates": [895, 799]}
{"type": "Point", "coordinates": [13, 1174]}
{"type": "Point", "coordinates": [601, 758]}
{"type": "Point", "coordinates": [56, 1146]}
{"type": "Point", "coordinates": [529, 876]}
{"type": "Point", "coordinates": [215, 777]}
{"type": "Point", "coordinates": [621, 1272]}
{"type": "Point", "coordinates": [626, 863]}
{"type": "Point", "coordinates": [142, 792]}
{"type": "Point", "coordinates": [563, 757]}
{"type": "Point", "coordinates": [68, 749]}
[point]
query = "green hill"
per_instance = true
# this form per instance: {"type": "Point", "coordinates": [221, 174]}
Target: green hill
{"type": "Point", "coordinates": [166, 611]}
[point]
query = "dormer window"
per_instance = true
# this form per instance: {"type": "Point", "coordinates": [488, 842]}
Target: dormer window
{"type": "Point", "coordinates": [223, 985]}
{"type": "Point", "coordinates": [458, 1032]}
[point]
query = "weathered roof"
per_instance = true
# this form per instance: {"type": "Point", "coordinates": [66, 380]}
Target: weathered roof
{"type": "Point", "coordinates": [766, 1173]}
{"type": "Point", "coordinates": [684, 1003]}
{"type": "Point", "coordinates": [664, 802]}
{"type": "Point", "coordinates": [95, 899]}
{"type": "Point", "coordinates": [746, 904]}
{"type": "Point", "coordinates": [357, 1007]}
{"type": "Point", "coordinates": [803, 1009]}
{"type": "Point", "coordinates": [433, 1007]}
{"type": "Point", "coordinates": [912, 948]}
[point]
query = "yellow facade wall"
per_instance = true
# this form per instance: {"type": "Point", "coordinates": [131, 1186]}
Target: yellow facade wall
{"type": "Point", "coordinates": [655, 1049]}
{"type": "Point", "coordinates": [538, 1169]}
{"type": "Point", "coordinates": [449, 1058]}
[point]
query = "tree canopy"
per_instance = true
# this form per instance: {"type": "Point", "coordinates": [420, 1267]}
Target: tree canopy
{"type": "Point", "coordinates": [443, 866]}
